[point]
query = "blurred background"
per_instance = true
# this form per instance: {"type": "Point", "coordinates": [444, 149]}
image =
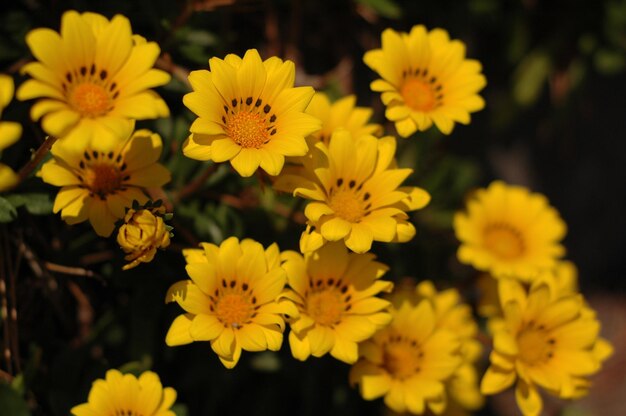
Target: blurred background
{"type": "Point", "coordinates": [555, 121]}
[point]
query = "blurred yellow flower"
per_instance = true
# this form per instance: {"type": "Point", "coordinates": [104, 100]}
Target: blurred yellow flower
{"type": "Point", "coordinates": [509, 232]}
{"type": "Point", "coordinates": [141, 234]}
{"type": "Point", "coordinates": [426, 79]}
{"type": "Point", "coordinates": [90, 78]}
{"type": "Point", "coordinates": [125, 394]}
{"type": "Point", "coordinates": [408, 362]}
{"type": "Point", "coordinates": [249, 113]}
{"type": "Point", "coordinates": [356, 194]}
{"type": "Point", "coordinates": [234, 299]}
{"type": "Point", "coordinates": [9, 133]}
{"type": "Point", "coordinates": [543, 340]}
{"type": "Point", "coordinates": [98, 185]}
{"type": "Point", "coordinates": [335, 292]}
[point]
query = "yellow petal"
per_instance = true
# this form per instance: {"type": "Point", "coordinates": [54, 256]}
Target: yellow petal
{"type": "Point", "coordinates": [178, 334]}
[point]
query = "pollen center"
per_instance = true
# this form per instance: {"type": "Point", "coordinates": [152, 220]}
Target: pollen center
{"type": "Point", "coordinates": [504, 241]}
{"type": "Point", "coordinates": [347, 205]}
{"type": "Point", "coordinates": [325, 307]}
{"type": "Point", "coordinates": [90, 100]}
{"type": "Point", "coordinates": [418, 95]}
{"type": "Point", "coordinates": [103, 179]}
{"type": "Point", "coordinates": [247, 129]}
{"type": "Point", "coordinates": [533, 346]}
{"type": "Point", "coordinates": [401, 358]}
{"type": "Point", "coordinates": [234, 310]}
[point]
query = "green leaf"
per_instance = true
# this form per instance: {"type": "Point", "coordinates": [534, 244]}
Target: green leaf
{"type": "Point", "coordinates": [180, 409]}
{"type": "Point", "coordinates": [530, 77]}
{"type": "Point", "coordinates": [385, 8]}
{"type": "Point", "coordinates": [609, 62]}
{"type": "Point", "coordinates": [7, 211]}
{"type": "Point", "coordinates": [11, 402]}
{"type": "Point", "coordinates": [35, 203]}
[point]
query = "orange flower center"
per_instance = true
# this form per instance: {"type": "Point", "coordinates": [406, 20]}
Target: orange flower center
{"type": "Point", "coordinates": [504, 241]}
{"type": "Point", "coordinates": [234, 310]}
{"type": "Point", "coordinates": [535, 345]}
{"type": "Point", "coordinates": [402, 357]}
{"type": "Point", "coordinates": [126, 412]}
{"type": "Point", "coordinates": [326, 307]}
{"type": "Point", "coordinates": [247, 129]}
{"type": "Point", "coordinates": [103, 178]}
{"type": "Point", "coordinates": [90, 100]}
{"type": "Point", "coordinates": [347, 205]}
{"type": "Point", "coordinates": [418, 95]}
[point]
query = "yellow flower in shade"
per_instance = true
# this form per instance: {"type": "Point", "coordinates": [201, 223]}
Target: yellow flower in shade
{"type": "Point", "coordinates": [426, 79]}
{"type": "Point", "coordinates": [249, 113]}
{"type": "Point", "coordinates": [509, 232]}
{"type": "Point", "coordinates": [90, 78]}
{"type": "Point", "coordinates": [125, 394]}
{"type": "Point", "coordinates": [141, 234]}
{"type": "Point", "coordinates": [356, 194]}
{"type": "Point", "coordinates": [9, 133]}
{"type": "Point", "coordinates": [543, 340]}
{"type": "Point", "coordinates": [234, 299]}
{"type": "Point", "coordinates": [98, 185]}
{"type": "Point", "coordinates": [456, 317]}
{"type": "Point", "coordinates": [335, 292]}
{"type": "Point", "coordinates": [408, 362]}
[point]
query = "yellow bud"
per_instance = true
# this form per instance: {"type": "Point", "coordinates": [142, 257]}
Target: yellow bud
{"type": "Point", "coordinates": [140, 236]}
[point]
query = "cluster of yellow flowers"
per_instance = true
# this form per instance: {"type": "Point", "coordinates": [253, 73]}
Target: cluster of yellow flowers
{"type": "Point", "coordinates": [416, 347]}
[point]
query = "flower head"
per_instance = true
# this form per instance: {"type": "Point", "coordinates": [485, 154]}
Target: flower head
{"type": "Point", "coordinates": [9, 133]}
{"type": "Point", "coordinates": [125, 394]}
{"type": "Point", "coordinates": [356, 194]}
{"type": "Point", "coordinates": [509, 232]}
{"type": "Point", "coordinates": [335, 292]}
{"type": "Point", "coordinates": [98, 185]}
{"type": "Point", "coordinates": [543, 340]}
{"type": "Point", "coordinates": [408, 361]}
{"type": "Point", "coordinates": [249, 113]}
{"type": "Point", "coordinates": [426, 79]}
{"type": "Point", "coordinates": [234, 299]}
{"type": "Point", "coordinates": [90, 78]}
{"type": "Point", "coordinates": [141, 234]}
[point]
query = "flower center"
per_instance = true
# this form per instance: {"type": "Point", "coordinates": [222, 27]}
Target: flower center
{"type": "Point", "coordinates": [418, 95]}
{"type": "Point", "coordinates": [234, 309]}
{"type": "Point", "coordinates": [90, 100]}
{"type": "Point", "coordinates": [347, 205]}
{"type": "Point", "coordinates": [103, 178]}
{"type": "Point", "coordinates": [326, 307]}
{"type": "Point", "coordinates": [504, 241]}
{"type": "Point", "coordinates": [534, 345]}
{"type": "Point", "coordinates": [402, 358]}
{"type": "Point", "coordinates": [247, 129]}
{"type": "Point", "coordinates": [126, 412]}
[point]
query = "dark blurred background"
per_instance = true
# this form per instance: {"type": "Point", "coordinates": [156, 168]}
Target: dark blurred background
{"type": "Point", "coordinates": [554, 121]}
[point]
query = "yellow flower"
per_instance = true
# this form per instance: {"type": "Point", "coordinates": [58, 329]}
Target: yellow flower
{"type": "Point", "coordinates": [141, 234]}
{"type": "Point", "coordinates": [335, 292]}
{"type": "Point", "coordinates": [98, 185]}
{"type": "Point", "coordinates": [543, 340]}
{"type": "Point", "coordinates": [425, 79]}
{"type": "Point", "coordinates": [509, 232]}
{"type": "Point", "coordinates": [90, 78]}
{"type": "Point", "coordinates": [234, 299]}
{"type": "Point", "coordinates": [125, 394]}
{"type": "Point", "coordinates": [356, 194]}
{"type": "Point", "coordinates": [249, 113]}
{"type": "Point", "coordinates": [408, 361]}
{"type": "Point", "coordinates": [456, 317]}
{"type": "Point", "coordinates": [9, 133]}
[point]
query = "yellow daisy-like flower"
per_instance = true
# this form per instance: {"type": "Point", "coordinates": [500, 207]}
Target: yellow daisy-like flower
{"type": "Point", "coordinates": [509, 232]}
{"type": "Point", "coordinates": [408, 362]}
{"type": "Point", "coordinates": [90, 78]}
{"type": "Point", "coordinates": [543, 340]}
{"type": "Point", "coordinates": [141, 234]}
{"type": "Point", "coordinates": [125, 394]}
{"type": "Point", "coordinates": [456, 317]}
{"type": "Point", "coordinates": [98, 185]}
{"type": "Point", "coordinates": [356, 194]}
{"type": "Point", "coordinates": [249, 113]}
{"type": "Point", "coordinates": [335, 292]}
{"type": "Point", "coordinates": [426, 79]}
{"type": "Point", "coordinates": [234, 299]}
{"type": "Point", "coordinates": [9, 133]}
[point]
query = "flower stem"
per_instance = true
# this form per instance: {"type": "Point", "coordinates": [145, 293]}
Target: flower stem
{"type": "Point", "coordinates": [36, 158]}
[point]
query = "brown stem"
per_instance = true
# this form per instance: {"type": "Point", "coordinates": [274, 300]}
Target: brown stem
{"type": "Point", "coordinates": [37, 157]}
